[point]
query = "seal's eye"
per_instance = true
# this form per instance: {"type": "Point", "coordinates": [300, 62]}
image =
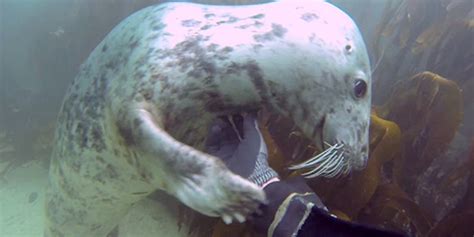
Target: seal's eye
{"type": "Point", "coordinates": [360, 88]}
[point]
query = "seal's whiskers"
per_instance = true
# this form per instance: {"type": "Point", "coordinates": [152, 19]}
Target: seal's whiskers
{"type": "Point", "coordinates": [321, 168]}
{"type": "Point", "coordinates": [329, 163]}
{"type": "Point", "coordinates": [336, 167]}
{"type": "Point", "coordinates": [317, 159]}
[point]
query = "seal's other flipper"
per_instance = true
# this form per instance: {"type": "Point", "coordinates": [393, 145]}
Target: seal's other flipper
{"type": "Point", "coordinates": [197, 179]}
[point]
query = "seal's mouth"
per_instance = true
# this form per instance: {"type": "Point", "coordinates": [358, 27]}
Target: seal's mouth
{"type": "Point", "coordinates": [331, 162]}
{"type": "Point", "coordinates": [318, 134]}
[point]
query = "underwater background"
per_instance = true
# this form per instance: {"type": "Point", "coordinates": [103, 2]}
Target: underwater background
{"type": "Point", "coordinates": [420, 177]}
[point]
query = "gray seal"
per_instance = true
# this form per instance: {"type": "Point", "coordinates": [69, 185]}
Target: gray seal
{"type": "Point", "coordinates": [136, 117]}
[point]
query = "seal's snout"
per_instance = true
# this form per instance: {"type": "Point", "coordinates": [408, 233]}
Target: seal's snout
{"type": "Point", "coordinates": [361, 162]}
{"type": "Point", "coordinates": [358, 157]}
{"type": "Point", "coordinates": [363, 158]}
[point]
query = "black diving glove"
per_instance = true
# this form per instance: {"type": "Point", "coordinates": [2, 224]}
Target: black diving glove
{"type": "Point", "coordinates": [237, 141]}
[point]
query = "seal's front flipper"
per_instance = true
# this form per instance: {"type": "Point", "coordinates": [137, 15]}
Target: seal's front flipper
{"type": "Point", "coordinates": [197, 179]}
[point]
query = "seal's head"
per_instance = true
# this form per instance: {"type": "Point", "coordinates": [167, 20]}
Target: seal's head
{"type": "Point", "coordinates": [329, 94]}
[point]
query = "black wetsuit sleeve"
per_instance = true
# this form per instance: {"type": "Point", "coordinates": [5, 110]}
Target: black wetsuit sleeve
{"type": "Point", "coordinates": [293, 209]}
{"type": "Point", "coordinates": [289, 204]}
{"type": "Point", "coordinates": [320, 224]}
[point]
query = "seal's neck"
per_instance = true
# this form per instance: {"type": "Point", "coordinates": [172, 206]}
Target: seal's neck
{"type": "Point", "coordinates": [237, 94]}
{"type": "Point", "coordinates": [249, 88]}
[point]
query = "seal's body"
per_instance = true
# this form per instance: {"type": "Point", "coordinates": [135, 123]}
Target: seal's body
{"type": "Point", "coordinates": [137, 115]}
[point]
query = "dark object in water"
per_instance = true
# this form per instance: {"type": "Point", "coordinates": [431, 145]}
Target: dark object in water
{"type": "Point", "coordinates": [32, 197]}
{"type": "Point", "coordinates": [319, 223]}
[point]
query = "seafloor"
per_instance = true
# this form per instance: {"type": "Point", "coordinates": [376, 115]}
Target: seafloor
{"type": "Point", "coordinates": [22, 210]}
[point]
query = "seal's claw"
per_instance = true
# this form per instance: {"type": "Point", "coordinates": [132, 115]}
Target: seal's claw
{"type": "Point", "coordinates": [243, 197]}
{"type": "Point", "coordinates": [219, 192]}
{"type": "Point", "coordinates": [227, 219]}
{"type": "Point", "coordinates": [239, 217]}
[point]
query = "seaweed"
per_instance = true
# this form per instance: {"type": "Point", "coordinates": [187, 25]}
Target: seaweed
{"type": "Point", "coordinates": [434, 35]}
{"type": "Point", "coordinates": [428, 108]}
{"type": "Point", "coordinates": [391, 208]}
{"type": "Point", "coordinates": [455, 225]}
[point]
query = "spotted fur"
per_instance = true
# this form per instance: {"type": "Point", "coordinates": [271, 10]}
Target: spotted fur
{"type": "Point", "coordinates": [136, 116]}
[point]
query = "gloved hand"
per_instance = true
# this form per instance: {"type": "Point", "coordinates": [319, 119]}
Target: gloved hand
{"type": "Point", "coordinates": [238, 142]}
